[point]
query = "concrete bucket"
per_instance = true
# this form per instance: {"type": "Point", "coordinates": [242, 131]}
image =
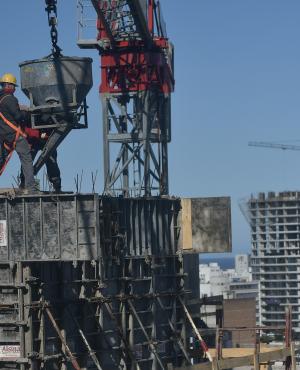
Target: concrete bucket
{"type": "Point", "coordinates": [57, 88]}
{"type": "Point", "coordinates": [56, 85]}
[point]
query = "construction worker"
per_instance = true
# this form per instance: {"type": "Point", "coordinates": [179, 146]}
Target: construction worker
{"type": "Point", "coordinates": [37, 140]}
{"type": "Point", "coordinates": [11, 134]}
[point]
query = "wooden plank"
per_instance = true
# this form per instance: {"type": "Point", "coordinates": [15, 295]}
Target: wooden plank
{"type": "Point", "coordinates": [239, 352]}
{"type": "Point", "coordinates": [221, 364]}
{"type": "Point", "coordinates": [203, 366]}
{"type": "Point", "coordinates": [256, 361]}
{"type": "Point", "coordinates": [267, 354]}
{"type": "Point", "coordinates": [186, 224]}
{"type": "Point", "coordinates": [228, 363]}
{"type": "Point", "coordinates": [278, 354]}
{"type": "Point", "coordinates": [294, 366]}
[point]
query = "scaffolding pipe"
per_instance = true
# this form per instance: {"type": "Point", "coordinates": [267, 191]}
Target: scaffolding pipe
{"type": "Point", "coordinates": [70, 354]}
{"type": "Point", "coordinates": [196, 331]}
{"type": "Point", "coordinates": [90, 351]}
{"type": "Point", "coordinates": [151, 345]}
{"type": "Point", "coordinates": [174, 331]}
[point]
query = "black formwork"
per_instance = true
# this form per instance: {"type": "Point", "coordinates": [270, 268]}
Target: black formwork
{"type": "Point", "coordinates": [47, 227]}
{"type": "Point", "coordinates": [112, 286]}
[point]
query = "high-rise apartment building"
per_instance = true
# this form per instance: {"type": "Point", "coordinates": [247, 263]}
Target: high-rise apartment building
{"type": "Point", "coordinates": [275, 258]}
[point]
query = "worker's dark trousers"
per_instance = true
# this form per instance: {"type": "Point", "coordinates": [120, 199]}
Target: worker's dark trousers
{"type": "Point", "coordinates": [23, 150]}
{"type": "Point", "coordinates": [53, 171]}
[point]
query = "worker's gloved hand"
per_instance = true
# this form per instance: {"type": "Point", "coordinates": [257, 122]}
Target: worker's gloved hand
{"type": "Point", "coordinates": [24, 108]}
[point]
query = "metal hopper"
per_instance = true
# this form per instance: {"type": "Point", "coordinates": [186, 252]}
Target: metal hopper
{"type": "Point", "coordinates": [57, 88]}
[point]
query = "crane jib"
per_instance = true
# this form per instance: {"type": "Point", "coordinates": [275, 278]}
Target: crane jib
{"type": "Point", "coordinates": [265, 144]}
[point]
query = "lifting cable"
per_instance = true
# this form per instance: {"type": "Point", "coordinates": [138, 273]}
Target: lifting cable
{"type": "Point", "coordinates": [51, 10]}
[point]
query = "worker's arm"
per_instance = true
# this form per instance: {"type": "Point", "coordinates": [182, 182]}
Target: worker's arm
{"type": "Point", "coordinates": [13, 108]}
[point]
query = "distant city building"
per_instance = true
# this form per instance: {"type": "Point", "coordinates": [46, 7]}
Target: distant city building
{"type": "Point", "coordinates": [216, 281]}
{"type": "Point", "coordinates": [233, 318]}
{"type": "Point", "coordinates": [275, 259]}
{"type": "Point", "coordinates": [213, 280]}
{"type": "Point", "coordinates": [230, 284]}
{"type": "Point", "coordinates": [246, 290]}
{"type": "Point", "coordinates": [242, 266]}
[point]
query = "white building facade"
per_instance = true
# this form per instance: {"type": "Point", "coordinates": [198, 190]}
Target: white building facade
{"type": "Point", "coordinates": [213, 280]}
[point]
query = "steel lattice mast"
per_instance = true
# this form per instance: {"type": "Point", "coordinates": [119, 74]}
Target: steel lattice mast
{"type": "Point", "coordinates": [136, 85]}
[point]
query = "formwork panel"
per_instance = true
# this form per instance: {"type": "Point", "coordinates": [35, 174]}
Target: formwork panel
{"type": "Point", "coordinates": [44, 227]}
{"type": "Point", "coordinates": [9, 316]}
{"type": "Point", "coordinates": [33, 237]}
{"type": "Point", "coordinates": [206, 225]}
{"type": "Point", "coordinates": [68, 228]}
{"type": "Point", "coordinates": [51, 242]}
{"type": "Point", "coordinates": [16, 236]}
{"type": "Point", "coordinates": [123, 297]}
{"type": "Point", "coordinates": [3, 230]}
{"type": "Point", "coordinates": [149, 225]}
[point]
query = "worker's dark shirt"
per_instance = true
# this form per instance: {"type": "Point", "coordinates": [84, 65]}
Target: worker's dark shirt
{"type": "Point", "coordinates": [10, 109]}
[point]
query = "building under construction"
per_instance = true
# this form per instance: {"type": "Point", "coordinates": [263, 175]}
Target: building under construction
{"type": "Point", "coordinates": [96, 281]}
{"type": "Point", "coordinates": [109, 281]}
{"type": "Point", "coordinates": [274, 220]}
{"type": "Point", "coordinates": [103, 282]}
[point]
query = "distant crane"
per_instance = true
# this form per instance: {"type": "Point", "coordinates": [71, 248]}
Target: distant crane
{"type": "Point", "coordinates": [265, 144]}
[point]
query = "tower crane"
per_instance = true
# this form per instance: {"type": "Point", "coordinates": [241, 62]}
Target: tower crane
{"type": "Point", "coordinates": [136, 85]}
{"type": "Point", "coordinates": [137, 80]}
{"type": "Point", "coordinates": [266, 144]}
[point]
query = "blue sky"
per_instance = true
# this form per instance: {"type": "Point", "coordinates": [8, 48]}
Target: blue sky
{"type": "Point", "coordinates": [237, 79]}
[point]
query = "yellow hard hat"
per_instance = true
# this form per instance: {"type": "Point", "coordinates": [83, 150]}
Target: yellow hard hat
{"type": "Point", "coordinates": [8, 78]}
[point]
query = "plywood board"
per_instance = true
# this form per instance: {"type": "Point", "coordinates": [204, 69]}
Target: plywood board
{"type": "Point", "coordinates": [206, 225]}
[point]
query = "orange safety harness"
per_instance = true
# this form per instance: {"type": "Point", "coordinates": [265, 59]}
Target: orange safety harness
{"type": "Point", "coordinates": [10, 148]}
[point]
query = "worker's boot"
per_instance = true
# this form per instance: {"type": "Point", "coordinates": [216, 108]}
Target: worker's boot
{"type": "Point", "coordinates": [30, 191]}
{"type": "Point", "coordinates": [57, 189]}
{"type": "Point", "coordinates": [33, 190]}
{"type": "Point", "coordinates": [56, 183]}
{"type": "Point", "coordinates": [21, 181]}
